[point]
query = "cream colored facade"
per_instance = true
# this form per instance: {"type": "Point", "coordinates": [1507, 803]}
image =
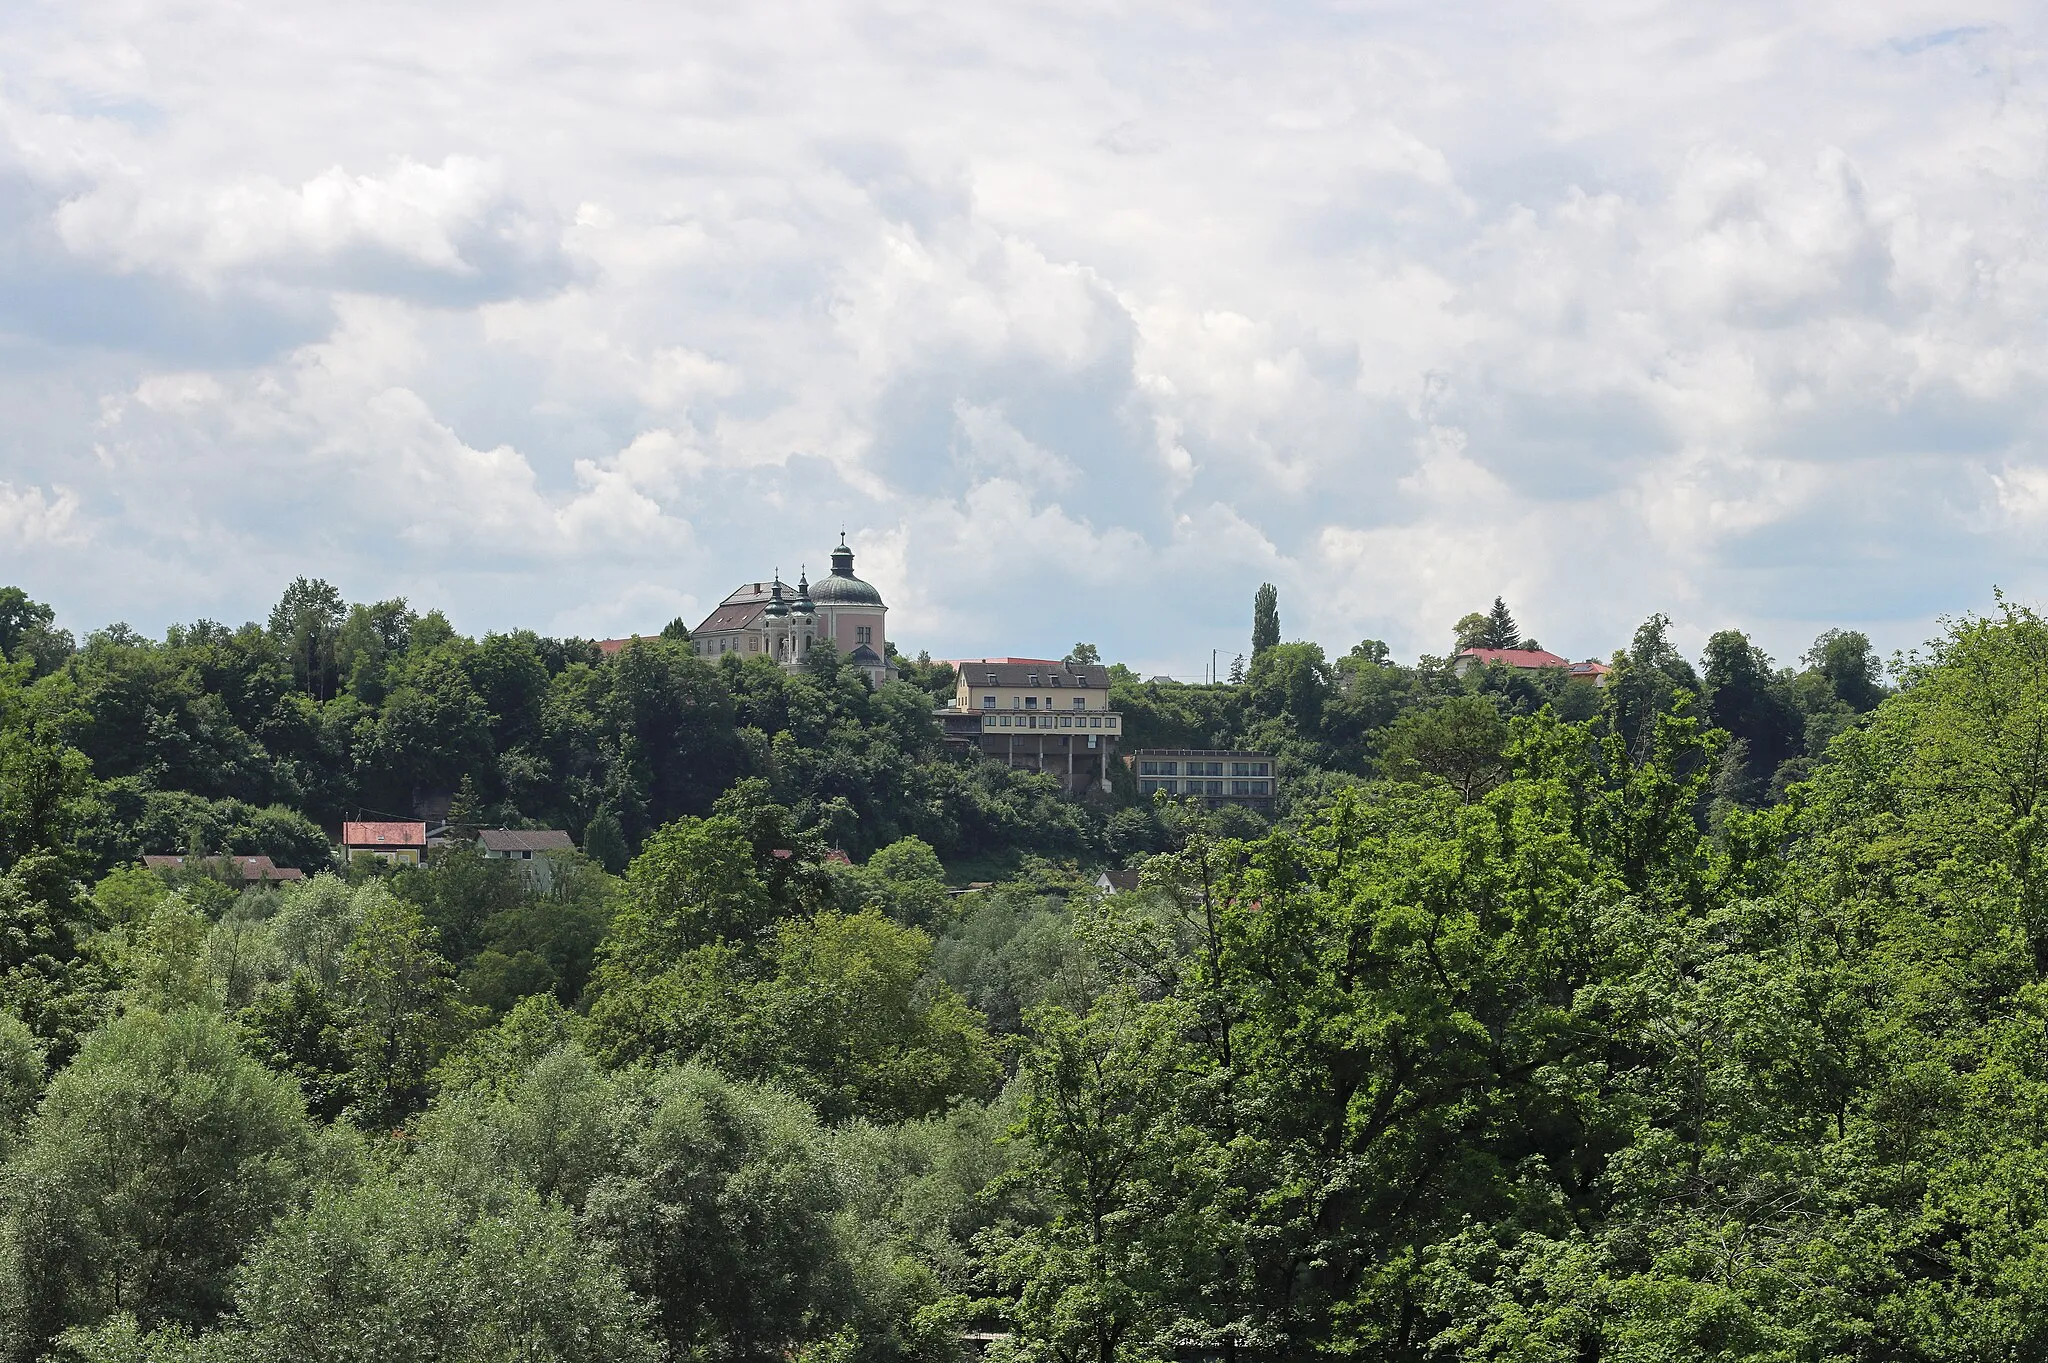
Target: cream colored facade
{"type": "Point", "coordinates": [1036, 714]}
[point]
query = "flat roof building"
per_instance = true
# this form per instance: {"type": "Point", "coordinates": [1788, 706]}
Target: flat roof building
{"type": "Point", "coordinates": [1214, 776]}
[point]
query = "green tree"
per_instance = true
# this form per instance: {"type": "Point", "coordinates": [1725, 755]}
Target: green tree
{"type": "Point", "coordinates": [1471, 631]}
{"type": "Point", "coordinates": [21, 1079]}
{"type": "Point", "coordinates": [306, 622]}
{"type": "Point", "coordinates": [400, 1012]}
{"type": "Point", "coordinates": [1644, 684]}
{"type": "Point", "coordinates": [1463, 741]}
{"type": "Point", "coordinates": [1265, 619]}
{"type": "Point", "coordinates": [158, 1155]}
{"type": "Point", "coordinates": [604, 842]}
{"type": "Point", "coordinates": [1085, 655]}
{"type": "Point", "coordinates": [1746, 697]}
{"type": "Point", "coordinates": [720, 1214]}
{"type": "Point", "coordinates": [1110, 1143]}
{"type": "Point", "coordinates": [1851, 667]}
{"type": "Point", "coordinates": [1501, 630]}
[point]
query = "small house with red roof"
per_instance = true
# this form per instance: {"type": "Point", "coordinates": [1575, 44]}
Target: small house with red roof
{"type": "Point", "coordinates": [402, 842]}
{"type": "Point", "coordinates": [1520, 659]}
{"type": "Point", "coordinates": [1530, 660]}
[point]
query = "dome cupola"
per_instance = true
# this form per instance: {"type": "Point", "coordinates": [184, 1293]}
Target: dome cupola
{"type": "Point", "coordinates": [842, 588]}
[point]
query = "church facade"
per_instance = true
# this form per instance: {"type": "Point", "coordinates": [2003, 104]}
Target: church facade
{"type": "Point", "coordinates": [770, 618]}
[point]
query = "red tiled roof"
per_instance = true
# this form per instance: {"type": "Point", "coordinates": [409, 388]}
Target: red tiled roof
{"type": "Point", "coordinates": [1592, 667]}
{"type": "Point", "coordinates": [609, 647]}
{"type": "Point", "coordinates": [1515, 657]}
{"type": "Point", "coordinates": [383, 835]}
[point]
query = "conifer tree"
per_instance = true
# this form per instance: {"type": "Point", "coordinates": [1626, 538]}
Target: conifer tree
{"type": "Point", "coordinates": [1265, 618]}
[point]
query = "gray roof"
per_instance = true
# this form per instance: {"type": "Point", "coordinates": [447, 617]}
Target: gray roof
{"type": "Point", "coordinates": [525, 840]}
{"type": "Point", "coordinates": [1091, 675]}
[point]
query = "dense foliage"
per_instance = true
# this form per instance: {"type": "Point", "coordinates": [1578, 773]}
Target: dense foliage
{"type": "Point", "coordinates": [1700, 1015]}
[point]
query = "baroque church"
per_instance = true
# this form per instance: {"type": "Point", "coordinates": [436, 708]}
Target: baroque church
{"type": "Point", "coordinates": [772, 618]}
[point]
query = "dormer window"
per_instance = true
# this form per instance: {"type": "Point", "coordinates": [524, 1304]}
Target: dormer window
{"type": "Point", "coordinates": [1053, 680]}
{"type": "Point", "coordinates": [1081, 681]}
{"type": "Point", "coordinates": [991, 679]}
{"type": "Point", "coordinates": [1033, 681]}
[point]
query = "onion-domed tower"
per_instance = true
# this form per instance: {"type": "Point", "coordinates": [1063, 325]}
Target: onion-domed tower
{"type": "Point", "coordinates": [803, 618]}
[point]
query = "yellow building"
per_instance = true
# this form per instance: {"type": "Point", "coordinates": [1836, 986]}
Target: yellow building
{"type": "Point", "coordinates": [1036, 714]}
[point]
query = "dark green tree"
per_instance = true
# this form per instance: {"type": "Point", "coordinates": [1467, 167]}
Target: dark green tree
{"type": "Point", "coordinates": [1265, 619]}
{"type": "Point", "coordinates": [1501, 630]}
{"type": "Point", "coordinates": [306, 622]}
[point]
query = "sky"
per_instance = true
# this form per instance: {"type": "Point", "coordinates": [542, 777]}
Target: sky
{"type": "Point", "coordinates": [1082, 320]}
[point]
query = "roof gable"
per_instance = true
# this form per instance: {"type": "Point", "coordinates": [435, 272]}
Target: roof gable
{"type": "Point", "coordinates": [1515, 657]}
{"type": "Point", "coordinates": [384, 835]}
{"type": "Point", "coordinates": [525, 840]}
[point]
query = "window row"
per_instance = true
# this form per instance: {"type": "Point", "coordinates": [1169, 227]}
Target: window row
{"type": "Point", "coordinates": [1254, 789]}
{"type": "Point", "coordinates": [1031, 702]}
{"type": "Point", "coordinates": [1028, 721]}
{"type": "Point", "coordinates": [1150, 767]}
{"type": "Point", "coordinates": [1051, 679]}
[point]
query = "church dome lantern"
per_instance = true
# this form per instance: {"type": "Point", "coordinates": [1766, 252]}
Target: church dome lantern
{"type": "Point", "coordinates": [842, 588]}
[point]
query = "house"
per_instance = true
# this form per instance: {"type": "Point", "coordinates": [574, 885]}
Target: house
{"type": "Point", "coordinates": [527, 846]}
{"type": "Point", "coordinates": [260, 870]}
{"type": "Point", "coordinates": [400, 842]}
{"type": "Point", "coordinates": [519, 844]}
{"type": "Point", "coordinates": [1592, 670]}
{"type": "Point", "coordinates": [1531, 660]}
{"type": "Point", "coordinates": [1214, 776]}
{"type": "Point", "coordinates": [1116, 882]}
{"type": "Point", "coordinates": [770, 618]}
{"type": "Point", "coordinates": [1036, 714]}
{"type": "Point", "coordinates": [1520, 659]}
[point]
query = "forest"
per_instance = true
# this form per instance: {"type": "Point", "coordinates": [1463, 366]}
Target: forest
{"type": "Point", "coordinates": [1700, 1014]}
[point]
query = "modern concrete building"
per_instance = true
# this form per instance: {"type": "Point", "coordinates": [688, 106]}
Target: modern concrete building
{"type": "Point", "coordinates": [1216, 777]}
{"type": "Point", "coordinates": [1037, 714]}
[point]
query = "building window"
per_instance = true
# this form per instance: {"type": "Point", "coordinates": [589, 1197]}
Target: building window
{"type": "Point", "coordinates": [1080, 702]}
{"type": "Point", "coordinates": [1031, 702]}
{"type": "Point", "coordinates": [863, 634]}
{"type": "Point", "coordinates": [1112, 721]}
{"type": "Point", "coordinates": [1033, 681]}
{"type": "Point", "coordinates": [1016, 702]}
{"type": "Point", "coordinates": [1081, 682]}
{"type": "Point", "coordinates": [991, 679]}
{"type": "Point", "coordinates": [753, 645]}
{"type": "Point", "coordinates": [988, 702]}
{"type": "Point", "coordinates": [1052, 681]}
{"type": "Point", "coordinates": [1095, 721]}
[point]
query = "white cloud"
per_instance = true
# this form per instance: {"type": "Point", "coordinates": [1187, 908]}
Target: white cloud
{"type": "Point", "coordinates": [35, 517]}
{"type": "Point", "coordinates": [1086, 320]}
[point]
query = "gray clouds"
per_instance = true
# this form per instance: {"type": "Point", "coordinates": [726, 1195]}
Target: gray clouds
{"type": "Point", "coordinates": [1085, 319]}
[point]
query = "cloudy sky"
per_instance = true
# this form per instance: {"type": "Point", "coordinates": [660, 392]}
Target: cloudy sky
{"type": "Point", "coordinates": [1083, 319]}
